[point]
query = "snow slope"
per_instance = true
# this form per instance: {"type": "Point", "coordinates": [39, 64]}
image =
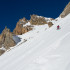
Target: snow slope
{"type": "Point", "coordinates": [45, 49]}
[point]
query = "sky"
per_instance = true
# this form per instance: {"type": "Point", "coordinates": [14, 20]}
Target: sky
{"type": "Point", "coordinates": [13, 10]}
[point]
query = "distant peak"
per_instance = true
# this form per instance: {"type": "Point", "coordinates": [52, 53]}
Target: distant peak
{"type": "Point", "coordinates": [66, 11]}
{"type": "Point", "coordinates": [6, 27]}
{"type": "Point", "coordinates": [6, 30]}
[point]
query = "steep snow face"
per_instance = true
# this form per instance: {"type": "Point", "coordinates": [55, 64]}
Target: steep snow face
{"type": "Point", "coordinates": [41, 49]}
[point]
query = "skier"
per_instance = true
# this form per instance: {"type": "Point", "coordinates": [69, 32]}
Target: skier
{"type": "Point", "coordinates": [58, 27]}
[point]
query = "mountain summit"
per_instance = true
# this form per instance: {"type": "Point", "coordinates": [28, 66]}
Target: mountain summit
{"type": "Point", "coordinates": [66, 11]}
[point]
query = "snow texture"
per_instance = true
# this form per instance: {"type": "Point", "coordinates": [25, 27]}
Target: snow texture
{"type": "Point", "coordinates": [44, 49]}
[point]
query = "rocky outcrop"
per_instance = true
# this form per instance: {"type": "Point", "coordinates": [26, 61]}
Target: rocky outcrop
{"type": "Point", "coordinates": [1, 51]}
{"type": "Point", "coordinates": [26, 29]}
{"type": "Point", "coordinates": [20, 28]}
{"type": "Point", "coordinates": [66, 11]}
{"type": "Point", "coordinates": [50, 24]}
{"type": "Point", "coordinates": [37, 20]}
{"type": "Point", "coordinates": [6, 39]}
{"type": "Point", "coordinates": [23, 21]}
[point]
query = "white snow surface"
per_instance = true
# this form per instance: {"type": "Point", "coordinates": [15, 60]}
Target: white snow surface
{"type": "Point", "coordinates": [44, 49]}
{"type": "Point", "coordinates": [27, 24]}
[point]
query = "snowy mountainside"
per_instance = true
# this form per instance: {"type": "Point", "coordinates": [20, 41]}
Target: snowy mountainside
{"type": "Point", "coordinates": [45, 49]}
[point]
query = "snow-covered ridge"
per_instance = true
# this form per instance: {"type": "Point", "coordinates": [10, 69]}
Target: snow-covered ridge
{"type": "Point", "coordinates": [45, 49]}
{"type": "Point", "coordinates": [47, 19]}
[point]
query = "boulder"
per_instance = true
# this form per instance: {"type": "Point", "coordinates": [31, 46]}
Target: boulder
{"type": "Point", "coordinates": [50, 24]}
